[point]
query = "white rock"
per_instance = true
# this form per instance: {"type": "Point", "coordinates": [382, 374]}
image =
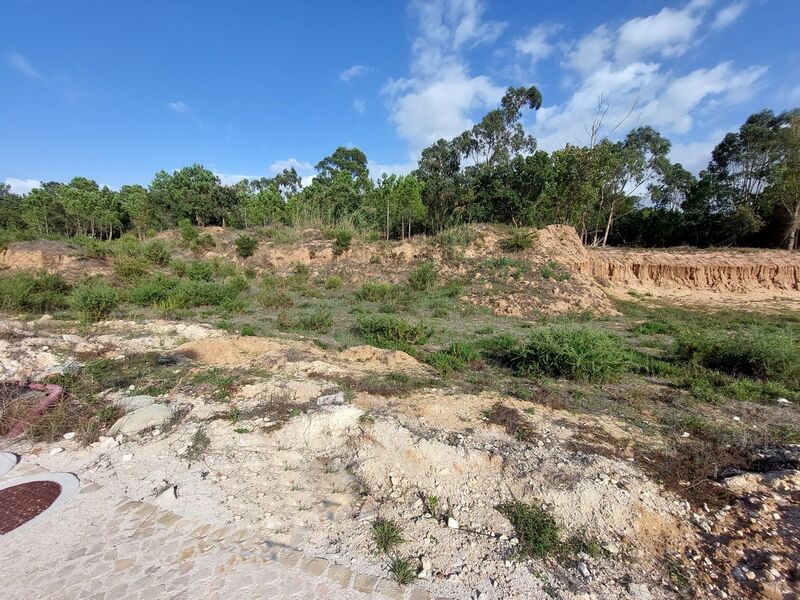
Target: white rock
{"type": "Point", "coordinates": [56, 450]}
{"type": "Point", "coordinates": [737, 419]}
{"type": "Point", "coordinates": [332, 399]}
{"type": "Point", "coordinates": [127, 457]}
{"type": "Point", "coordinates": [584, 570]}
{"type": "Point", "coordinates": [685, 434]}
{"type": "Point", "coordinates": [129, 403]}
{"type": "Point", "coordinates": [69, 436]}
{"type": "Point", "coordinates": [452, 523]}
{"type": "Point", "coordinates": [783, 401]}
{"type": "Point", "coordinates": [140, 419]}
{"type": "Point", "coordinates": [131, 387]}
{"type": "Point", "coordinates": [639, 591]}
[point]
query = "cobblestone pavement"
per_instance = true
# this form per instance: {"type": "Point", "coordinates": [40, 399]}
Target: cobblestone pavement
{"type": "Point", "coordinates": [101, 547]}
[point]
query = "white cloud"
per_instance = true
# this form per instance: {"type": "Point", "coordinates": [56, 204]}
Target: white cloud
{"type": "Point", "coordinates": [22, 186]}
{"type": "Point", "coordinates": [180, 107]}
{"type": "Point", "coordinates": [536, 44]}
{"type": "Point", "coordinates": [437, 99]}
{"type": "Point", "coordinates": [303, 168]}
{"type": "Point", "coordinates": [23, 65]}
{"type": "Point", "coordinates": [378, 169]}
{"type": "Point", "coordinates": [694, 156]}
{"type": "Point", "coordinates": [729, 14]}
{"type": "Point", "coordinates": [353, 72]}
{"type": "Point", "coordinates": [360, 105]}
{"type": "Point", "coordinates": [667, 33]}
{"type": "Point", "coordinates": [232, 178]}
{"type": "Point", "coordinates": [591, 50]}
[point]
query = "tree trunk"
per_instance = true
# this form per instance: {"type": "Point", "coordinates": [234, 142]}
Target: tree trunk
{"type": "Point", "coordinates": [608, 225]}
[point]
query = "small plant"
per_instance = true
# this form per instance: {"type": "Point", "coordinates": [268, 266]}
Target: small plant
{"type": "Point", "coordinates": [373, 291]}
{"type": "Point", "coordinates": [203, 242]}
{"type": "Point", "coordinates": [272, 298]}
{"type": "Point", "coordinates": [188, 230]}
{"type": "Point", "coordinates": [246, 245]}
{"type": "Point", "coordinates": [517, 241]}
{"type": "Point", "coordinates": [386, 534]}
{"type": "Point", "coordinates": [424, 277]}
{"type": "Point", "coordinates": [199, 444]}
{"type": "Point", "coordinates": [319, 320]}
{"type": "Point", "coordinates": [553, 270]}
{"type": "Point", "coordinates": [334, 282]}
{"type": "Point", "coordinates": [130, 268]}
{"type": "Point", "coordinates": [200, 270]}
{"type": "Point", "coordinates": [94, 300]}
{"type": "Point", "coordinates": [506, 267]}
{"type": "Point", "coordinates": [403, 570]}
{"type": "Point", "coordinates": [341, 241]}
{"type": "Point", "coordinates": [248, 330]}
{"type": "Point", "coordinates": [156, 252]}
{"type": "Point", "coordinates": [431, 504]}
{"type": "Point", "coordinates": [536, 529]}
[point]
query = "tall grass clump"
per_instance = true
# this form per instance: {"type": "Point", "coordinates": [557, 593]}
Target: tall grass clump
{"type": "Point", "coordinates": [342, 239]}
{"type": "Point", "coordinates": [518, 241]}
{"type": "Point", "coordinates": [245, 245]}
{"type": "Point", "coordinates": [94, 300]}
{"type": "Point", "coordinates": [156, 252]}
{"type": "Point", "coordinates": [389, 331]}
{"type": "Point", "coordinates": [375, 291]}
{"type": "Point", "coordinates": [424, 277]}
{"type": "Point", "coordinates": [571, 351]}
{"type": "Point", "coordinates": [753, 353]}
{"type": "Point", "coordinates": [38, 292]}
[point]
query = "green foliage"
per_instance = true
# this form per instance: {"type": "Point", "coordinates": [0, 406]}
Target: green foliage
{"type": "Point", "coordinates": [518, 241]}
{"type": "Point", "coordinates": [268, 297]}
{"type": "Point", "coordinates": [341, 240]}
{"type": "Point", "coordinates": [506, 267]}
{"type": "Point", "coordinates": [403, 570]}
{"type": "Point", "coordinates": [386, 534]}
{"type": "Point", "coordinates": [94, 300]}
{"type": "Point", "coordinates": [153, 290]}
{"type": "Point", "coordinates": [424, 277]}
{"type": "Point", "coordinates": [318, 320]}
{"type": "Point", "coordinates": [375, 291]}
{"type": "Point", "coordinates": [248, 330]}
{"type": "Point", "coordinates": [752, 353]}
{"type": "Point", "coordinates": [389, 331]}
{"type": "Point", "coordinates": [554, 270]}
{"type": "Point", "coordinates": [333, 282]}
{"type": "Point", "coordinates": [200, 270]}
{"type": "Point", "coordinates": [246, 245]}
{"type": "Point", "coordinates": [188, 231]}
{"type": "Point", "coordinates": [536, 529]}
{"type": "Point", "coordinates": [37, 292]}
{"type": "Point", "coordinates": [130, 268]}
{"type": "Point", "coordinates": [573, 352]}
{"type": "Point", "coordinates": [156, 252]}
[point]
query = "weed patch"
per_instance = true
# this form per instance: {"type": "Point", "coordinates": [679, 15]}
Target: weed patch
{"type": "Point", "coordinates": [388, 331]}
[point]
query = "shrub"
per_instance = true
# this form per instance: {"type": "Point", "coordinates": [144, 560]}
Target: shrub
{"type": "Point", "coordinates": [517, 241]}
{"type": "Point", "coordinates": [280, 234]}
{"type": "Point", "coordinates": [152, 291]}
{"type": "Point", "coordinates": [445, 363]}
{"type": "Point", "coordinates": [203, 242]}
{"type": "Point", "coordinates": [460, 235]}
{"type": "Point", "coordinates": [94, 300]}
{"type": "Point", "coordinates": [248, 330]}
{"type": "Point", "coordinates": [200, 270]}
{"type": "Point", "coordinates": [129, 268]}
{"type": "Point", "coordinates": [374, 291]}
{"type": "Point", "coordinates": [156, 252]}
{"type": "Point", "coordinates": [37, 292]}
{"type": "Point", "coordinates": [750, 353]}
{"type": "Point", "coordinates": [423, 277]}
{"type": "Point", "coordinates": [91, 247]}
{"type": "Point", "coordinates": [536, 529]}
{"type": "Point", "coordinates": [464, 351]}
{"type": "Point", "coordinates": [188, 230]}
{"type": "Point", "coordinates": [334, 282]}
{"type": "Point", "coordinates": [188, 294]}
{"type": "Point", "coordinates": [319, 320]}
{"type": "Point", "coordinates": [246, 245]}
{"type": "Point", "coordinates": [127, 245]}
{"type": "Point", "coordinates": [573, 352]}
{"type": "Point", "coordinates": [273, 298]}
{"type": "Point", "coordinates": [341, 241]}
{"type": "Point", "coordinates": [386, 534]}
{"type": "Point", "coordinates": [393, 332]}
{"type": "Point", "coordinates": [505, 266]}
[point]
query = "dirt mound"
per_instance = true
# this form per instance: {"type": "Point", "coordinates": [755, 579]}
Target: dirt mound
{"type": "Point", "coordinates": [55, 257]}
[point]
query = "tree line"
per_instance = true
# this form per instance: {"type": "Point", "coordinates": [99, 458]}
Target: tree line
{"type": "Point", "coordinates": [623, 192]}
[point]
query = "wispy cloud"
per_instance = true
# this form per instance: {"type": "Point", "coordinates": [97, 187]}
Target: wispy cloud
{"type": "Point", "coordinates": [360, 105]}
{"type": "Point", "coordinates": [729, 14]}
{"type": "Point", "coordinates": [536, 44]}
{"type": "Point", "coordinates": [353, 72]}
{"type": "Point", "coordinates": [24, 66]}
{"type": "Point", "coordinates": [180, 107]}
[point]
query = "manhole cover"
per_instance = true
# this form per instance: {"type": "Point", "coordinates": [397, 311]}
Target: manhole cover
{"type": "Point", "coordinates": [21, 503]}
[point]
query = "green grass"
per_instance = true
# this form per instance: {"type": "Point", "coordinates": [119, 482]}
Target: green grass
{"type": "Point", "coordinates": [387, 535]}
{"type": "Point", "coordinates": [245, 245]}
{"type": "Point", "coordinates": [375, 291]}
{"type": "Point", "coordinates": [94, 300]}
{"type": "Point", "coordinates": [318, 320]}
{"type": "Point", "coordinates": [518, 241]}
{"type": "Point", "coordinates": [537, 530]}
{"type": "Point", "coordinates": [403, 570]}
{"type": "Point", "coordinates": [505, 267]}
{"type": "Point", "coordinates": [389, 331]}
{"type": "Point", "coordinates": [423, 277]}
{"type": "Point", "coordinates": [37, 292]}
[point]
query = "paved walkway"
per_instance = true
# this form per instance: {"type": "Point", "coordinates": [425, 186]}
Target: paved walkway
{"type": "Point", "coordinates": [105, 548]}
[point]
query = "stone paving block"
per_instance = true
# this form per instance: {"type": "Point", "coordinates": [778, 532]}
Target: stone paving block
{"type": "Point", "coordinates": [169, 519]}
{"type": "Point", "coordinates": [314, 566]}
{"type": "Point", "coordinates": [418, 593]}
{"type": "Point", "coordinates": [290, 558]}
{"type": "Point", "coordinates": [365, 583]}
{"type": "Point", "coordinates": [341, 575]}
{"type": "Point", "coordinates": [390, 589]}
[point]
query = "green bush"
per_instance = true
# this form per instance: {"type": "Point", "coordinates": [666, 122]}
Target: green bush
{"type": "Point", "coordinates": [38, 292]}
{"type": "Point", "coordinates": [152, 291]}
{"type": "Point", "coordinates": [273, 298]}
{"type": "Point", "coordinates": [246, 245]}
{"type": "Point", "coordinates": [517, 241]}
{"type": "Point", "coordinates": [156, 252]}
{"type": "Point", "coordinates": [130, 268]}
{"type": "Point", "coordinates": [375, 291]}
{"type": "Point", "coordinates": [341, 241]}
{"type": "Point", "coordinates": [319, 320]}
{"type": "Point", "coordinates": [654, 327]}
{"type": "Point", "coordinates": [200, 270]}
{"type": "Point", "coordinates": [392, 332]}
{"type": "Point", "coordinates": [188, 230]}
{"type": "Point", "coordinates": [752, 353]}
{"type": "Point", "coordinates": [203, 242]}
{"type": "Point", "coordinates": [127, 245]}
{"type": "Point", "coordinates": [94, 300]}
{"type": "Point", "coordinates": [188, 294]}
{"type": "Point", "coordinates": [573, 352]}
{"type": "Point", "coordinates": [248, 330]}
{"type": "Point", "coordinates": [445, 363]}
{"type": "Point", "coordinates": [537, 530]}
{"type": "Point", "coordinates": [334, 282]}
{"type": "Point", "coordinates": [424, 277]}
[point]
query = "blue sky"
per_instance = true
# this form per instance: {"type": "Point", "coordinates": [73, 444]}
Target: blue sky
{"type": "Point", "coordinates": [118, 90]}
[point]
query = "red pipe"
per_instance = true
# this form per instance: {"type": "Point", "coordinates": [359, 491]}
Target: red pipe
{"type": "Point", "coordinates": [53, 393]}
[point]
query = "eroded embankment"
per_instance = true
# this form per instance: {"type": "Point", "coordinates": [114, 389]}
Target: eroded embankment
{"type": "Point", "coordinates": [743, 271]}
